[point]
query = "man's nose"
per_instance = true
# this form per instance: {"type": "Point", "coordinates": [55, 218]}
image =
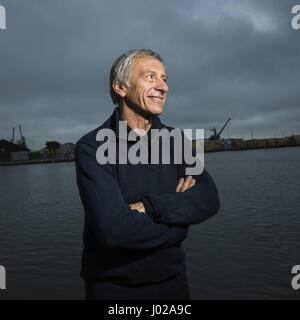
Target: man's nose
{"type": "Point", "coordinates": [161, 85]}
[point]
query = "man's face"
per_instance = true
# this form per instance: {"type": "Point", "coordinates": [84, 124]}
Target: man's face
{"type": "Point", "coordinates": [147, 85]}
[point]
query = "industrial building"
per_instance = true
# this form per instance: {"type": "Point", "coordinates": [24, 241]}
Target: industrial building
{"type": "Point", "coordinates": [12, 152]}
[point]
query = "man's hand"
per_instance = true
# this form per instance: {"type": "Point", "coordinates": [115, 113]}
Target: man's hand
{"type": "Point", "coordinates": [138, 206]}
{"type": "Point", "coordinates": [184, 184]}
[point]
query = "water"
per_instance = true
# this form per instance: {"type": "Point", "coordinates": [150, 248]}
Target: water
{"type": "Point", "coordinates": [246, 251]}
{"type": "Point", "coordinates": [40, 231]}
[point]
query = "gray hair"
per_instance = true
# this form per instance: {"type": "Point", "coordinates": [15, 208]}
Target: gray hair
{"type": "Point", "coordinates": [120, 70]}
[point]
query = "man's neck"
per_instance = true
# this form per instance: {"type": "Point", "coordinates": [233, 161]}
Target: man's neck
{"type": "Point", "coordinates": [134, 120]}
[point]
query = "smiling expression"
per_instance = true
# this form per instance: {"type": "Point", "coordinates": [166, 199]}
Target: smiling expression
{"type": "Point", "coordinates": [147, 85]}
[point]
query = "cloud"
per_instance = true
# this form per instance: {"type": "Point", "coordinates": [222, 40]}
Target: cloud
{"type": "Point", "coordinates": [235, 59]}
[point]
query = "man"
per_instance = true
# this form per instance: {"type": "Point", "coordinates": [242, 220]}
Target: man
{"type": "Point", "coordinates": [137, 215]}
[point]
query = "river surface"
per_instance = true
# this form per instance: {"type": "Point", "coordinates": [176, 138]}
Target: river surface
{"type": "Point", "coordinates": [246, 251]}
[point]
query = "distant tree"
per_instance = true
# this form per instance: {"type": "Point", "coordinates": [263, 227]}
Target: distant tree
{"type": "Point", "coordinates": [52, 146]}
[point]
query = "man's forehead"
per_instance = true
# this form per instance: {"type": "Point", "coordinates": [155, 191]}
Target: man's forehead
{"type": "Point", "coordinates": [148, 63]}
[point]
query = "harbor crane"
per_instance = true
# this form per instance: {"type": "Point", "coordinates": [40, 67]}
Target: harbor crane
{"type": "Point", "coordinates": [22, 141]}
{"type": "Point", "coordinates": [215, 135]}
{"type": "Point", "coordinates": [13, 136]}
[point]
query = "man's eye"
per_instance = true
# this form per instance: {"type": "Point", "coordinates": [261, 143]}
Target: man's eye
{"type": "Point", "coordinates": [150, 76]}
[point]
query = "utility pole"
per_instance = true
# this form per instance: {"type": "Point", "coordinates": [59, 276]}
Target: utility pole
{"type": "Point", "coordinates": [251, 133]}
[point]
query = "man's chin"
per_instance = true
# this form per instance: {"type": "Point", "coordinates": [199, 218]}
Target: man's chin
{"type": "Point", "coordinates": [157, 110]}
{"type": "Point", "coordinates": [147, 110]}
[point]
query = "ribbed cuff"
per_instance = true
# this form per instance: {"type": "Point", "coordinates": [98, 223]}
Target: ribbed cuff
{"type": "Point", "coordinates": [149, 208]}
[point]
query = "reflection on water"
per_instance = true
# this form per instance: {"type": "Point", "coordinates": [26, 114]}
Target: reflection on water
{"type": "Point", "coordinates": [246, 251]}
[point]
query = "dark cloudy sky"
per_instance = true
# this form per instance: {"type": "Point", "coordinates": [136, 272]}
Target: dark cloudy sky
{"type": "Point", "coordinates": [224, 58]}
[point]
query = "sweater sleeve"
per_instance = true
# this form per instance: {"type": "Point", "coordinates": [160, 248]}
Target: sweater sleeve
{"type": "Point", "coordinates": [193, 206]}
{"type": "Point", "coordinates": [112, 221]}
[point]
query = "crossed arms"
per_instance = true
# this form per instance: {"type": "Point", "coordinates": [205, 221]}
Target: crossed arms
{"type": "Point", "coordinates": [183, 184]}
{"type": "Point", "coordinates": [119, 225]}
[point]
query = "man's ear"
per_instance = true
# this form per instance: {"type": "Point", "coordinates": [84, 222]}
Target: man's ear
{"type": "Point", "coordinates": [120, 89]}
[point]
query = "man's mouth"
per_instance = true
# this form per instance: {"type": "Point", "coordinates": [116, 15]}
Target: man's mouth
{"type": "Point", "coordinates": [156, 99]}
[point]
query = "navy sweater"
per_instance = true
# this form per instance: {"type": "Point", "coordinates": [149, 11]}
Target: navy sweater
{"type": "Point", "coordinates": [121, 245]}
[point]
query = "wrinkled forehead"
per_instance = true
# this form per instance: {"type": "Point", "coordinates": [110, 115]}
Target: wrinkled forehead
{"type": "Point", "coordinates": [144, 64]}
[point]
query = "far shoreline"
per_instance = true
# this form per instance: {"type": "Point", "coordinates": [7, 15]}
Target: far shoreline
{"type": "Point", "coordinates": [41, 161]}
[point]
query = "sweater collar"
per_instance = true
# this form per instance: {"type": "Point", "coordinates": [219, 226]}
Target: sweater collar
{"type": "Point", "coordinates": [156, 123]}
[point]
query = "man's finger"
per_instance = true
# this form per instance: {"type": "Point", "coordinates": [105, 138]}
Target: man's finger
{"type": "Point", "coordinates": [193, 182]}
{"type": "Point", "coordinates": [138, 206]}
{"type": "Point", "coordinates": [186, 184]}
{"type": "Point", "coordinates": [179, 185]}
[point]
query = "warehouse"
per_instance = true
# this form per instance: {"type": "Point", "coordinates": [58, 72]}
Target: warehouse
{"type": "Point", "coordinates": [12, 152]}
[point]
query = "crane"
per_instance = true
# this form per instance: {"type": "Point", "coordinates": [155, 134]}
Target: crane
{"type": "Point", "coordinates": [13, 136]}
{"type": "Point", "coordinates": [215, 135]}
{"type": "Point", "coordinates": [22, 141]}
